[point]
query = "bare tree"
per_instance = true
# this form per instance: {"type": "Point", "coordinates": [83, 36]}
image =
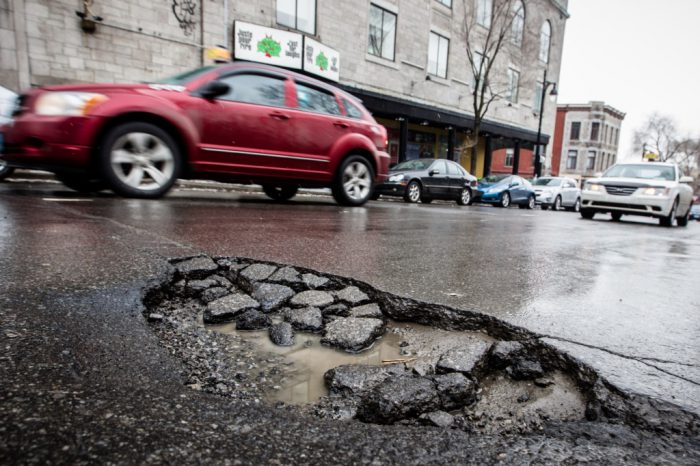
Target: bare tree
{"type": "Point", "coordinates": [660, 136]}
{"type": "Point", "coordinates": [488, 33]}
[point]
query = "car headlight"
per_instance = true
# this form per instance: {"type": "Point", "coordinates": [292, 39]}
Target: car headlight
{"type": "Point", "coordinates": [67, 103]}
{"type": "Point", "coordinates": [396, 178]}
{"type": "Point", "coordinates": [655, 192]}
{"type": "Point", "coordinates": [594, 187]}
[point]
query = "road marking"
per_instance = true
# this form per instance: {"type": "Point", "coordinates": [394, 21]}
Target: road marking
{"type": "Point", "coordinates": [65, 199]}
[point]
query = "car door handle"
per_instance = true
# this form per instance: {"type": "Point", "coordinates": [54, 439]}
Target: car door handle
{"type": "Point", "coordinates": [279, 116]}
{"type": "Point", "coordinates": [341, 124]}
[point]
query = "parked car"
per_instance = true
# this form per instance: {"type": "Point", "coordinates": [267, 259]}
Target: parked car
{"type": "Point", "coordinates": [557, 192]}
{"type": "Point", "coordinates": [695, 213]}
{"type": "Point", "coordinates": [652, 189]}
{"type": "Point", "coordinates": [427, 179]}
{"type": "Point", "coordinates": [504, 190]}
{"type": "Point", "coordinates": [239, 122]}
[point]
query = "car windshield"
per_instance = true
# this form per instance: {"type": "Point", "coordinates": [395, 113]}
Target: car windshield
{"type": "Point", "coordinates": [545, 181]}
{"type": "Point", "coordinates": [495, 178]}
{"type": "Point", "coordinates": [420, 164]}
{"type": "Point", "coordinates": [186, 77]}
{"type": "Point", "coordinates": [643, 171]}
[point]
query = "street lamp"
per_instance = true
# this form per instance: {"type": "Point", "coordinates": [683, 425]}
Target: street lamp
{"type": "Point", "coordinates": [538, 147]}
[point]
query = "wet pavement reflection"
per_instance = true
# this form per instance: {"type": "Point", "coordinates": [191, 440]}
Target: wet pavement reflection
{"type": "Point", "coordinates": [629, 290]}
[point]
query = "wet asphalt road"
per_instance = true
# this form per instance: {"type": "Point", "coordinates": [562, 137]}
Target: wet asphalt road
{"type": "Point", "coordinates": [623, 297]}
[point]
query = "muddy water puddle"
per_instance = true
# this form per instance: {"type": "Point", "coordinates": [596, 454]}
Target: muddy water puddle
{"type": "Point", "coordinates": [308, 360]}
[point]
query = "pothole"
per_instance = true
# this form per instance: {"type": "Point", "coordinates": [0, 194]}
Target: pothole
{"type": "Point", "coordinates": [337, 348]}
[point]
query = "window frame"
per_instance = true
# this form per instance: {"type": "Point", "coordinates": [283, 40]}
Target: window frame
{"type": "Point", "coordinates": [440, 38]}
{"type": "Point", "coordinates": [591, 155]}
{"type": "Point", "coordinates": [577, 125]}
{"type": "Point", "coordinates": [296, 17]}
{"type": "Point", "coordinates": [484, 11]}
{"type": "Point", "coordinates": [516, 36]}
{"type": "Point", "coordinates": [544, 52]}
{"type": "Point", "coordinates": [512, 72]}
{"type": "Point", "coordinates": [595, 131]}
{"type": "Point", "coordinates": [381, 44]}
{"type": "Point", "coordinates": [510, 154]}
{"type": "Point", "coordinates": [446, 3]}
{"type": "Point", "coordinates": [569, 158]}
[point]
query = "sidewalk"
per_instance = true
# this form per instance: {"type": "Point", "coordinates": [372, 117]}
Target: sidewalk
{"type": "Point", "coordinates": [37, 176]}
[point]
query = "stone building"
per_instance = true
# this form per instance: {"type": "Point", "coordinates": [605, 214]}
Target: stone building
{"type": "Point", "coordinates": [586, 139]}
{"type": "Point", "coordinates": [406, 59]}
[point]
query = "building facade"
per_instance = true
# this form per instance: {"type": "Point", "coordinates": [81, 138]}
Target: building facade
{"type": "Point", "coordinates": [586, 139]}
{"type": "Point", "coordinates": [406, 59]}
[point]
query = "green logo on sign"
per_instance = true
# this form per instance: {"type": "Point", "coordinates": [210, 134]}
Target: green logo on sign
{"type": "Point", "coordinates": [270, 47]}
{"type": "Point", "coordinates": [322, 61]}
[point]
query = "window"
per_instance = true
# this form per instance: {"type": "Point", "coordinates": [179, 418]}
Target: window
{"type": "Point", "coordinates": [510, 156]}
{"type": "Point", "coordinates": [518, 25]}
{"type": "Point", "coordinates": [297, 14]}
{"type": "Point", "coordinates": [255, 89]}
{"type": "Point", "coordinates": [440, 167]}
{"type": "Point", "coordinates": [437, 55]}
{"type": "Point", "coordinates": [483, 12]}
{"type": "Point", "coordinates": [382, 32]}
{"type": "Point", "coordinates": [595, 129]}
{"type": "Point", "coordinates": [513, 83]}
{"type": "Point", "coordinates": [351, 110]}
{"type": "Point", "coordinates": [453, 169]}
{"type": "Point", "coordinates": [575, 131]}
{"type": "Point", "coordinates": [447, 3]}
{"type": "Point", "coordinates": [481, 62]}
{"type": "Point", "coordinates": [545, 40]}
{"type": "Point", "coordinates": [617, 133]}
{"type": "Point", "coordinates": [537, 103]}
{"type": "Point", "coordinates": [315, 100]}
{"type": "Point", "coordinates": [572, 160]}
{"type": "Point", "coordinates": [590, 162]}
{"type": "Point", "coordinates": [605, 133]}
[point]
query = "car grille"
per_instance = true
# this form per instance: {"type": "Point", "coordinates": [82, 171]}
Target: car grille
{"type": "Point", "coordinates": [620, 190]}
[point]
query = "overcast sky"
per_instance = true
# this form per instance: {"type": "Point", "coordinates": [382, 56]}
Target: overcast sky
{"type": "Point", "coordinates": [639, 56]}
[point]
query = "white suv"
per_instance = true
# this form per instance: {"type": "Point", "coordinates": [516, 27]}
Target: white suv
{"type": "Point", "coordinates": [650, 189]}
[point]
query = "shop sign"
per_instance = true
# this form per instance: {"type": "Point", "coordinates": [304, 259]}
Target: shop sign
{"type": "Point", "coordinates": [321, 60]}
{"type": "Point", "coordinates": [267, 45]}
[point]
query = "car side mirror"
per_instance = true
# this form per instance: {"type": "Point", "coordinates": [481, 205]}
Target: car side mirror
{"type": "Point", "coordinates": [687, 179]}
{"type": "Point", "coordinates": [434, 171]}
{"type": "Point", "coordinates": [513, 184]}
{"type": "Point", "coordinates": [214, 89]}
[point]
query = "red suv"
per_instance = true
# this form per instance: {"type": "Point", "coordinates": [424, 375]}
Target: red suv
{"type": "Point", "coordinates": [239, 122]}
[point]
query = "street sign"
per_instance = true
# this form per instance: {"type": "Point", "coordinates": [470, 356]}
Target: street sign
{"type": "Point", "coordinates": [651, 157]}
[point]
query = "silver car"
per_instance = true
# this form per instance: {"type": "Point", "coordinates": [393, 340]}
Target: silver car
{"type": "Point", "coordinates": [556, 193]}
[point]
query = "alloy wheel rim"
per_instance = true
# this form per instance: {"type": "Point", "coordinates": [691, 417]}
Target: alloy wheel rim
{"type": "Point", "coordinates": [465, 196]}
{"type": "Point", "coordinates": [577, 206]}
{"type": "Point", "coordinates": [142, 161]}
{"type": "Point", "coordinates": [505, 202]}
{"type": "Point", "coordinates": [531, 202]}
{"type": "Point", "coordinates": [413, 192]}
{"type": "Point", "coordinates": [557, 203]}
{"type": "Point", "coordinates": [356, 181]}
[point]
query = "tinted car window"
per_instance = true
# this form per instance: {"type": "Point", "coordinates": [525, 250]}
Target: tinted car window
{"type": "Point", "coordinates": [352, 110]}
{"type": "Point", "coordinates": [517, 181]}
{"type": "Point", "coordinates": [315, 100]}
{"type": "Point", "coordinates": [440, 167]}
{"type": "Point", "coordinates": [255, 89]}
{"type": "Point", "coordinates": [453, 169]}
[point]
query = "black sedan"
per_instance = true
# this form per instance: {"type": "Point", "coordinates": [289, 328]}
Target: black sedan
{"type": "Point", "coordinates": [427, 179]}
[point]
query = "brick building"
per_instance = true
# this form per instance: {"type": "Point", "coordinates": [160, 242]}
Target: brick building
{"type": "Point", "coordinates": [586, 139]}
{"type": "Point", "coordinates": [405, 59]}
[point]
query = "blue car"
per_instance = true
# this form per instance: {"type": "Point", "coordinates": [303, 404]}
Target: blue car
{"type": "Point", "coordinates": [505, 190]}
{"type": "Point", "coordinates": [695, 213]}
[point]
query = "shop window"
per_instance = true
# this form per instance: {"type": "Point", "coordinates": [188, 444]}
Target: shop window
{"type": "Point", "coordinates": [382, 32]}
{"type": "Point", "coordinates": [297, 14]}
